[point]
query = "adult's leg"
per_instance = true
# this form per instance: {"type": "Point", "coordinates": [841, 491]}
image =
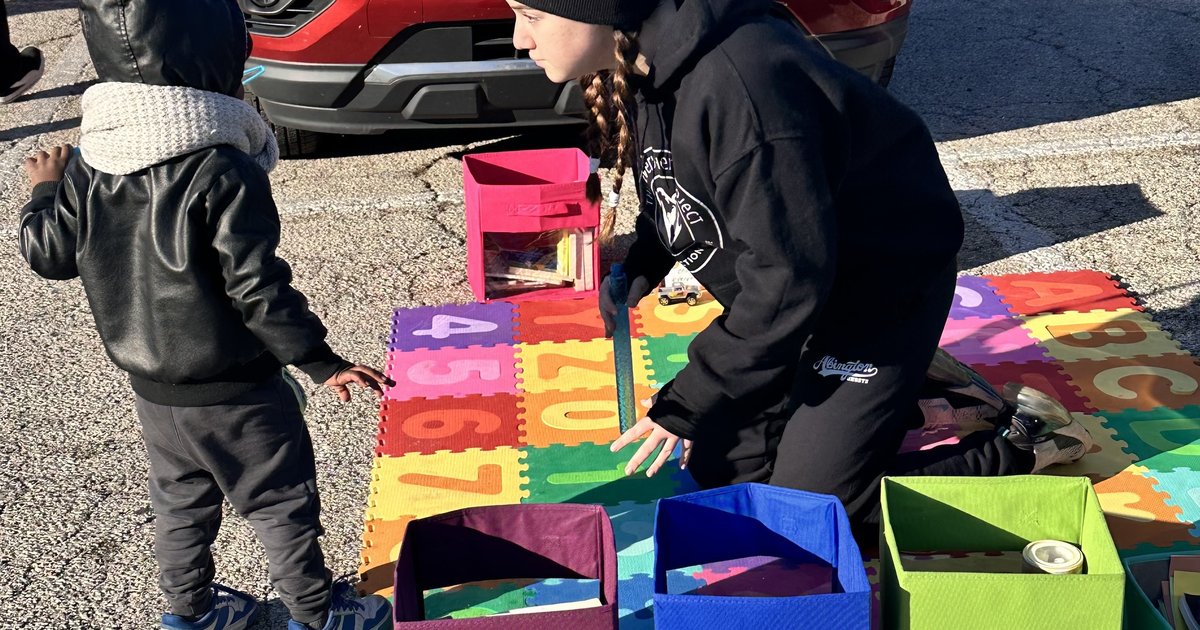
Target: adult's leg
{"type": "Point", "coordinates": [8, 52]}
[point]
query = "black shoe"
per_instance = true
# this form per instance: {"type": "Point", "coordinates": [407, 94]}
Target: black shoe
{"type": "Point", "coordinates": [30, 66]}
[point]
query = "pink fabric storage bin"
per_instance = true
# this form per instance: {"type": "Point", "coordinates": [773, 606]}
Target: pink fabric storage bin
{"type": "Point", "coordinates": [527, 192]}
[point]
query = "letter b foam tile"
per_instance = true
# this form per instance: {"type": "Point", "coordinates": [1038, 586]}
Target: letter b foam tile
{"type": "Point", "coordinates": [1100, 335]}
{"type": "Point", "coordinates": [452, 372]}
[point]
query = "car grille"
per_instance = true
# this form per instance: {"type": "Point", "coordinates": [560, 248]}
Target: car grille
{"type": "Point", "coordinates": [279, 18]}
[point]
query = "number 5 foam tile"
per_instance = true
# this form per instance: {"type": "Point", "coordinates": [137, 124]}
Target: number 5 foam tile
{"type": "Point", "coordinates": [574, 417]}
{"type": "Point", "coordinates": [448, 424]}
{"type": "Point", "coordinates": [1182, 487]}
{"type": "Point", "coordinates": [676, 319]}
{"type": "Point", "coordinates": [381, 547]}
{"type": "Point", "coordinates": [1100, 335]}
{"type": "Point", "coordinates": [1108, 456]}
{"type": "Point", "coordinates": [590, 473]}
{"type": "Point", "coordinates": [453, 326]}
{"type": "Point", "coordinates": [452, 372]}
{"type": "Point", "coordinates": [1143, 383]}
{"type": "Point", "coordinates": [562, 320]}
{"type": "Point", "coordinates": [425, 485]}
{"type": "Point", "coordinates": [1138, 515]}
{"type": "Point", "coordinates": [990, 341]}
{"type": "Point", "coordinates": [1161, 439]}
{"type": "Point", "coordinates": [974, 297]}
{"type": "Point", "coordinates": [1045, 376]}
{"type": "Point", "coordinates": [574, 365]}
{"type": "Point", "coordinates": [1061, 292]}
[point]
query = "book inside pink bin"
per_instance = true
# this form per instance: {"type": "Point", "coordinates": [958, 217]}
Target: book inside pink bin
{"type": "Point", "coordinates": [531, 230]}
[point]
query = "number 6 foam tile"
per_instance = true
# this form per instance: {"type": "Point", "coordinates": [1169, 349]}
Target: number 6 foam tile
{"type": "Point", "coordinates": [990, 341]}
{"type": "Point", "coordinates": [448, 424]}
{"type": "Point", "coordinates": [453, 326]}
{"type": "Point", "coordinates": [1143, 383]}
{"type": "Point", "coordinates": [426, 485]}
{"type": "Point", "coordinates": [452, 372]}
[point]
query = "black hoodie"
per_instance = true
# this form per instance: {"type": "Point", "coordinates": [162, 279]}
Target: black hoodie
{"type": "Point", "coordinates": [178, 259]}
{"type": "Point", "coordinates": [801, 195]}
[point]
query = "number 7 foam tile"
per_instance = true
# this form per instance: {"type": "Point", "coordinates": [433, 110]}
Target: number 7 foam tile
{"type": "Point", "coordinates": [1099, 335]}
{"type": "Point", "coordinates": [448, 424]}
{"type": "Point", "coordinates": [452, 372]}
{"type": "Point", "coordinates": [425, 485]}
{"type": "Point", "coordinates": [974, 297]}
{"type": "Point", "coordinates": [990, 341]}
{"type": "Point", "coordinates": [453, 326]}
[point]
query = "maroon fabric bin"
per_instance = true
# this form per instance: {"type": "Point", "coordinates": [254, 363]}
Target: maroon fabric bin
{"type": "Point", "coordinates": [528, 541]}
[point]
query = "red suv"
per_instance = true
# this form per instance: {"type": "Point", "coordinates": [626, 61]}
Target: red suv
{"type": "Point", "coordinates": [370, 66]}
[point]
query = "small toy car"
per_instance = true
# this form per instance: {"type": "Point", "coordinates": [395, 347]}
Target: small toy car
{"type": "Point", "coordinates": [678, 293]}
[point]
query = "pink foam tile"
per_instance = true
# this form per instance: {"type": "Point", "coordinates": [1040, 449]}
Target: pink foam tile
{"type": "Point", "coordinates": [452, 372]}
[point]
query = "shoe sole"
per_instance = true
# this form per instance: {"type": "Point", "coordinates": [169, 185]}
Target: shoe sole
{"type": "Point", "coordinates": [28, 81]}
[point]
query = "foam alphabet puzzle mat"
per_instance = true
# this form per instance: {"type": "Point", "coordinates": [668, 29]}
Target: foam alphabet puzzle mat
{"type": "Point", "coordinates": [501, 403]}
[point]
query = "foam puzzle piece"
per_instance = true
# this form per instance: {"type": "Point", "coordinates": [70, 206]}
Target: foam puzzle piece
{"type": "Point", "coordinates": [931, 437]}
{"type": "Point", "coordinates": [758, 576]}
{"type": "Point", "coordinates": [452, 372]}
{"type": "Point", "coordinates": [556, 591]}
{"type": "Point", "coordinates": [590, 473]}
{"type": "Point", "coordinates": [667, 355]}
{"type": "Point", "coordinates": [1143, 383]}
{"type": "Point", "coordinates": [1182, 492]}
{"type": "Point", "coordinates": [1138, 514]}
{"type": "Point", "coordinates": [565, 320]}
{"type": "Point", "coordinates": [636, 598]}
{"type": "Point", "coordinates": [1061, 292]}
{"type": "Point", "coordinates": [453, 326]}
{"type": "Point", "coordinates": [572, 365]}
{"type": "Point", "coordinates": [872, 566]}
{"type": "Point", "coordinates": [1045, 376]}
{"type": "Point", "coordinates": [381, 547]}
{"type": "Point", "coordinates": [477, 599]}
{"type": "Point", "coordinates": [990, 341]}
{"type": "Point", "coordinates": [1108, 456]}
{"type": "Point", "coordinates": [975, 297]}
{"type": "Point", "coordinates": [443, 482]}
{"type": "Point", "coordinates": [448, 424]}
{"type": "Point", "coordinates": [676, 319]}
{"type": "Point", "coordinates": [1161, 439]}
{"type": "Point", "coordinates": [573, 417]}
{"type": "Point", "coordinates": [633, 527]}
{"type": "Point", "coordinates": [1100, 335]}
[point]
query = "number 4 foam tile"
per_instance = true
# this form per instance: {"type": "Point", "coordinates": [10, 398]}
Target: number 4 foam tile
{"type": "Point", "coordinates": [1143, 383]}
{"type": "Point", "coordinates": [425, 485]}
{"type": "Point", "coordinates": [452, 372]}
{"type": "Point", "coordinates": [974, 297]}
{"type": "Point", "coordinates": [1061, 292]}
{"type": "Point", "coordinates": [1138, 515]}
{"type": "Point", "coordinates": [453, 326]}
{"type": "Point", "coordinates": [574, 417]}
{"type": "Point", "coordinates": [1100, 335]}
{"type": "Point", "coordinates": [1161, 439]}
{"type": "Point", "coordinates": [572, 365]}
{"type": "Point", "coordinates": [448, 424]}
{"type": "Point", "coordinates": [990, 341]}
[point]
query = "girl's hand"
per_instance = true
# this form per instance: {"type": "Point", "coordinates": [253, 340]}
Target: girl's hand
{"type": "Point", "coordinates": [658, 436]}
{"type": "Point", "coordinates": [366, 377]}
{"type": "Point", "coordinates": [48, 166]}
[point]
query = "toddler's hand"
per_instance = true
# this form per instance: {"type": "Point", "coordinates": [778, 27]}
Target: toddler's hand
{"type": "Point", "coordinates": [366, 377]}
{"type": "Point", "coordinates": [48, 166]}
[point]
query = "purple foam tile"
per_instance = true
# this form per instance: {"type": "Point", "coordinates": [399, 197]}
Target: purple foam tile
{"type": "Point", "coordinates": [453, 326]}
{"type": "Point", "coordinates": [974, 297]}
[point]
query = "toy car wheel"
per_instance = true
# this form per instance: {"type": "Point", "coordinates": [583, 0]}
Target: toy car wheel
{"type": "Point", "coordinates": [692, 301]}
{"type": "Point", "coordinates": [665, 301]}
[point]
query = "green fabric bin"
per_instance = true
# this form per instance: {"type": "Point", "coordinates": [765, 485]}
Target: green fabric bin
{"type": "Point", "coordinates": [926, 514]}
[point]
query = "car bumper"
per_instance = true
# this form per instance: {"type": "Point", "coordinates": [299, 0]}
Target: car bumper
{"type": "Point", "coordinates": [868, 50]}
{"type": "Point", "coordinates": [360, 100]}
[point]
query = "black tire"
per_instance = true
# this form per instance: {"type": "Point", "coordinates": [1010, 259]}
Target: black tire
{"type": "Point", "coordinates": [664, 301]}
{"type": "Point", "coordinates": [293, 143]}
{"type": "Point", "coordinates": [889, 67]}
{"type": "Point", "coordinates": [692, 301]}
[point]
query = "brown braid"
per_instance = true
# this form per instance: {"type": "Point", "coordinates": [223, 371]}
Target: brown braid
{"type": "Point", "coordinates": [608, 97]}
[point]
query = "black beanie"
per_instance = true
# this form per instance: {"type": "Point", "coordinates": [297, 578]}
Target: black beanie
{"type": "Point", "coordinates": [621, 14]}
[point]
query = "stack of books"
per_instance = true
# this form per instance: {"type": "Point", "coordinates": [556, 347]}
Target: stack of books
{"type": "Point", "coordinates": [519, 262]}
{"type": "Point", "coordinates": [1180, 599]}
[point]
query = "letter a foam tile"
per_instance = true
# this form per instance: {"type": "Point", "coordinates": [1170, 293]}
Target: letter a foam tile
{"type": "Point", "coordinates": [453, 326]}
{"type": "Point", "coordinates": [444, 482]}
{"type": "Point", "coordinates": [448, 424]}
{"type": "Point", "coordinates": [1061, 292]}
{"type": "Point", "coordinates": [1100, 335]}
{"type": "Point", "coordinates": [452, 372]}
{"type": "Point", "coordinates": [1143, 383]}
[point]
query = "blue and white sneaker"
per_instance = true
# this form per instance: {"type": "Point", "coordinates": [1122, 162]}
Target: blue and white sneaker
{"type": "Point", "coordinates": [231, 610]}
{"type": "Point", "coordinates": [348, 611]}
